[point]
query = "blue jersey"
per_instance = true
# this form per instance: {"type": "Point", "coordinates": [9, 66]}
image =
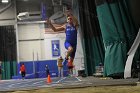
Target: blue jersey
{"type": "Point", "coordinates": [71, 34]}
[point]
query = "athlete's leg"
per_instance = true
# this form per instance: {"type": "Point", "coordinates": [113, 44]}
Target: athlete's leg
{"type": "Point", "coordinates": [71, 70]}
{"type": "Point", "coordinates": [72, 55]}
{"type": "Point", "coordinates": [59, 71]}
{"type": "Point", "coordinates": [69, 48]}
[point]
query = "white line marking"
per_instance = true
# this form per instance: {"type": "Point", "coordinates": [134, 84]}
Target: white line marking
{"type": "Point", "coordinates": [78, 79]}
{"type": "Point", "coordinates": [37, 82]}
{"type": "Point", "coordinates": [61, 80]}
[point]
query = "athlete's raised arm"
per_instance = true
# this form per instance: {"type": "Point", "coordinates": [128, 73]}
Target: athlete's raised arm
{"type": "Point", "coordinates": [55, 29]}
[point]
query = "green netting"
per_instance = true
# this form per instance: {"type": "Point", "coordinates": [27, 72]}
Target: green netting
{"type": "Point", "coordinates": [94, 54]}
{"type": "Point", "coordinates": [8, 69]}
{"type": "Point", "coordinates": [91, 35]}
{"type": "Point", "coordinates": [98, 50]}
{"type": "Point", "coordinates": [118, 34]}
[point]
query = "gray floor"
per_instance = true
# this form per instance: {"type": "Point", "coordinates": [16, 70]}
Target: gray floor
{"type": "Point", "coordinates": [65, 82]}
{"type": "Point", "coordinates": [19, 84]}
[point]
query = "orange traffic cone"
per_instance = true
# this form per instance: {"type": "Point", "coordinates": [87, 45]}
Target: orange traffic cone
{"type": "Point", "coordinates": [49, 79]}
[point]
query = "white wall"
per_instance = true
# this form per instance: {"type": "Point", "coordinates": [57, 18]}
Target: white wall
{"type": "Point", "coordinates": [31, 42]}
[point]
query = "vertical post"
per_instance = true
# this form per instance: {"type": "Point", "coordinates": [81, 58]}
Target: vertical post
{"type": "Point", "coordinates": [16, 31]}
{"type": "Point", "coordinates": [37, 56]}
{"type": "Point", "coordinates": [36, 68]}
{"type": "Point", "coordinates": [33, 64]}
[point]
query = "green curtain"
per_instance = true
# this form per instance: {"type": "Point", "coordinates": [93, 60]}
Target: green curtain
{"type": "Point", "coordinates": [118, 31]}
{"type": "Point", "coordinates": [8, 51]}
{"type": "Point", "coordinates": [90, 35]}
{"type": "Point", "coordinates": [8, 69]}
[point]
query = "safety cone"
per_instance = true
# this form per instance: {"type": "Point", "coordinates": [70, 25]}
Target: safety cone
{"type": "Point", "coordinates": [49, 79]}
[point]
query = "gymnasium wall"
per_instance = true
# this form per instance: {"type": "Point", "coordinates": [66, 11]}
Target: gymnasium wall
{"type": "Point", "coordinates": [36, 69]}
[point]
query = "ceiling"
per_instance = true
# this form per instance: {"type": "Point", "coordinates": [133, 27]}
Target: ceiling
{"type": "Point", "coordinates": [64, 2]}
{"type": "Point", "coordinates": [31, 5]}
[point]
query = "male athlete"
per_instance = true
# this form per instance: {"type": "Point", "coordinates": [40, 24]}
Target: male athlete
{"type": "Point", "coordinates": [71, 35]}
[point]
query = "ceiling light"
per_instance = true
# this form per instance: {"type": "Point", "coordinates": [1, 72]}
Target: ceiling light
{"type": "Point", "coordinates": [5, 1]}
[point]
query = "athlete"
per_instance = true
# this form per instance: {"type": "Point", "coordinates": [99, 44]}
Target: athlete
{"type": "Point", "coordinates": [71, 35]}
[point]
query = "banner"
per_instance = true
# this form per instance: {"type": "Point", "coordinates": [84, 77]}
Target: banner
{"type": "Point", "coordinates": [43, 11]}
{"type": "Point", "coordinates": [55, 48]}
